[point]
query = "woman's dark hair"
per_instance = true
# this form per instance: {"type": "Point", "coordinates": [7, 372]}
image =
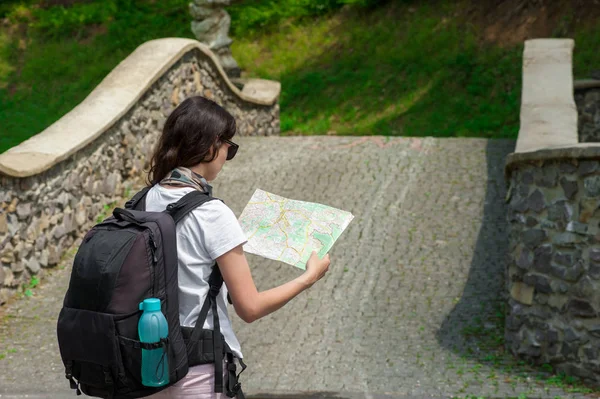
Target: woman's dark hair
{"type": "Point", "coordinates": [191, 131]}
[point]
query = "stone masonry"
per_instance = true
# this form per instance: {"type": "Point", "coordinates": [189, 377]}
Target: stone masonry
{"type": "Point", "coordinates": [42, 215]}
{"type": "Point", "coordinates": [554, 267]}
{"type": "Point", "coordinates": [588, 110]}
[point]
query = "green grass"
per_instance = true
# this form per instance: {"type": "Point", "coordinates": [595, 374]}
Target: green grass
{"type": "Point", "coordinates": [398, 69]}
{"type": "Point", "coordinates": [393, 72]}
{"type": "Point", "coordinates": [389, 74]}
{"type": "Point", "coordinates": [58, 72]}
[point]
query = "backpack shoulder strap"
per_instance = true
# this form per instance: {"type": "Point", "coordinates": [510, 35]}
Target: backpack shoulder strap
{"type": "Point", "coordinates": [215, 281]}
{"type": "Point", "coordinates": [188, 203]}
{"type": "Point", "coordinates": [138, 201]}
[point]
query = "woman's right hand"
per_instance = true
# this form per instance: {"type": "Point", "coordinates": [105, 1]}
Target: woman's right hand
{"type": "Point", "coordinates": [316, 268]}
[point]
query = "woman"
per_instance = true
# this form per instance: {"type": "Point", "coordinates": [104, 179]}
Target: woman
{"type": "Point", "coordinates": [195, 143]}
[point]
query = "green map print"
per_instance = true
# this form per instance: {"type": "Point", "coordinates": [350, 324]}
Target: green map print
{"type": "Point", "coordinates": [288, 230]}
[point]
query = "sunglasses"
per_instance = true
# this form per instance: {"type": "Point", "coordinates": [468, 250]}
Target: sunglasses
{"type": "Point", "coordinates": [231, 151]}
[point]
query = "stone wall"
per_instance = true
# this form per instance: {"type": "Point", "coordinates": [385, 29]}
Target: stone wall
{"type": "Point", "coordinates": [42, 215]}
{"type": "Point", "coordinates": [554, 269]}
{"type": "Point", "coordinates": [588, 111]}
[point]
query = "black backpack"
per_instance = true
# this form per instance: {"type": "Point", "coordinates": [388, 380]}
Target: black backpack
{"type": "Point", "coordinates": [121, 261]}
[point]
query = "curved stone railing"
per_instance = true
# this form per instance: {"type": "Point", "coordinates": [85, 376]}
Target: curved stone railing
{"type": "Point", "coordinates": [553, 274]}
{"type": "Point", "coordinates": [54, 185]}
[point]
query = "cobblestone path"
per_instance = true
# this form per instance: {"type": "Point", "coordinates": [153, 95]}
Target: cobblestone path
{"type": "Point", "coordinates": [411, 306]}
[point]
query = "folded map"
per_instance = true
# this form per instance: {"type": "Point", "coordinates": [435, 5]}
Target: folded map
{"type": "Point", "coordinates": [287, 230]}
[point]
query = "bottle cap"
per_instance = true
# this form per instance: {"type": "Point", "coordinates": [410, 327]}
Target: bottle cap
{"type": "Point", "coordinates": [150, 304]}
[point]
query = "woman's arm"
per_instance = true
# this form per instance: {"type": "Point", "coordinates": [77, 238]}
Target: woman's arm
{"type": "Point", "coordinates": [250, 304]}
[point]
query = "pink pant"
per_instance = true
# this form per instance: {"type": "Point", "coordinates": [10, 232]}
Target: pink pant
{"type": "Point", "coordinates": [199, 383]}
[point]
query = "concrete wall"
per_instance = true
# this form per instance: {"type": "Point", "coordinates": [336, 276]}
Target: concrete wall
{"type": "Point", "coordinates": [553, 275]}
{"type": "Point", "coordinates": [54, 185]}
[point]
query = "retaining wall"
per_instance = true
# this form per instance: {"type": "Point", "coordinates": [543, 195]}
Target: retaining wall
{"type": "Point", "coordinates": [55, 185]}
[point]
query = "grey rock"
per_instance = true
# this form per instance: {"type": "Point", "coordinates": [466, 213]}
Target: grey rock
{"type": "Point", "coordinates": [548, 225]}
{"type": "Point", "coordinates": [13, 224]}
{"type": "Point", "coordinates": [581, 308]}
{"type": "Point", "coordinates": [514, 323]}
{"type": "Point", "coordinates": [595, 255]}
{"type": "Point", "coordinates": [5, 295]}
{"type": "Point", "coordinates": [567, 168]}
{"type": "Point", "coordinates": [571, 335]}
{"type": "Point", "coordinates": [543, 257]}
{"type": "Point", "coordinates": [59, 231]}
{"type": "Point", "coordinates": [556, 301]}
{"type": "Point", "coordinates": [592, 186]}
{"type": "Point", "coordinates": [559, 286]}
{"type": "Point", "coordinates": [33, 265]}
{"type": "Point", "coordinates": [548, 176]}
{"type": "Point", "coordinates": [19, 250]}
{"type": "Point", "coordinates": [17, 266]}
{"type": "Point", "coordinates": [81, 217]}
{"type": "Point", "coordinates": [570, 187]}
{"type": "Point", "coordinates": [23, 210]}
{"type": "Point", "coordinates": [88, 186]}
{"type": "Point", "coordinates": [541, 298]}
{"type": "Point", "coordinates": [529, 344]}
{"type": "Point", "coordinates": [531, 222]}
{"type": "Point", "coordinates": [585, 287]}
{"type": "Point", "coordinates": [43, 258]}
{"type": "Point", "coordinates": [68, 222]}
{"type": "Point", "coordinates": [595, 330]}
{"type": "Point", "coordinates": [520, 205]}
{"type": "Point", "coordinates": [569, 351]}
{"type": "Point", "coordinates": [577, 227]}
{"type": "Point", "coordinates": [527, 177]}
{"type": "Point", "coordinates": [587, 167]}
{"type": "Point", "coordinates": [40, 242]}
{"type": "Point", "coordinates": [110, 185]}
{"type": "Point", "coordinates": [533, 237]}
{"type": "Point", "coordinates": [558, 212]}
{"type": "Point", "coordinates": [536, 201]}
{"type": "Point", "coordinates": [8, 276]}
{"type": "Point", "coordinates": [97, 187]}
{"type": "Point", "coordinates": [594, 271]}
{"type": "Point", "coordinates": [567, 239]}
{"type": "Point", "coordinates": [55, 218]}
{"type": "Point", "coordinates": [525, 259]}
{"type": "Point", "coordinates": [564, 258]}
{"type": "Point", "coordinates": [63, 199]}
{"type": "Point", "coordinates": [568, 273]}
{"type": "Point", "coordinates": [53, 255]}
{"type": "Point", "coordinates": [7, 249]}
{"type": "Point", "coordinates": [540, 282]}
{"type": "Point", "coordinates": [591, 353]}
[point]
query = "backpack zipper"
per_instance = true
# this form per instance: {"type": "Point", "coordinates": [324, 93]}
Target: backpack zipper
{"type": "Point", "coordinates": [153, 249]}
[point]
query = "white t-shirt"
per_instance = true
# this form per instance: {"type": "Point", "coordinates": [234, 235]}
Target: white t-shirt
{"type": "Point", "coordinates": [203, 235]}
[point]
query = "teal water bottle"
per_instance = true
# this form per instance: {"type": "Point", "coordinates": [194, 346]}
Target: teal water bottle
{"type": "Point", "coordinates": [151, 328]}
